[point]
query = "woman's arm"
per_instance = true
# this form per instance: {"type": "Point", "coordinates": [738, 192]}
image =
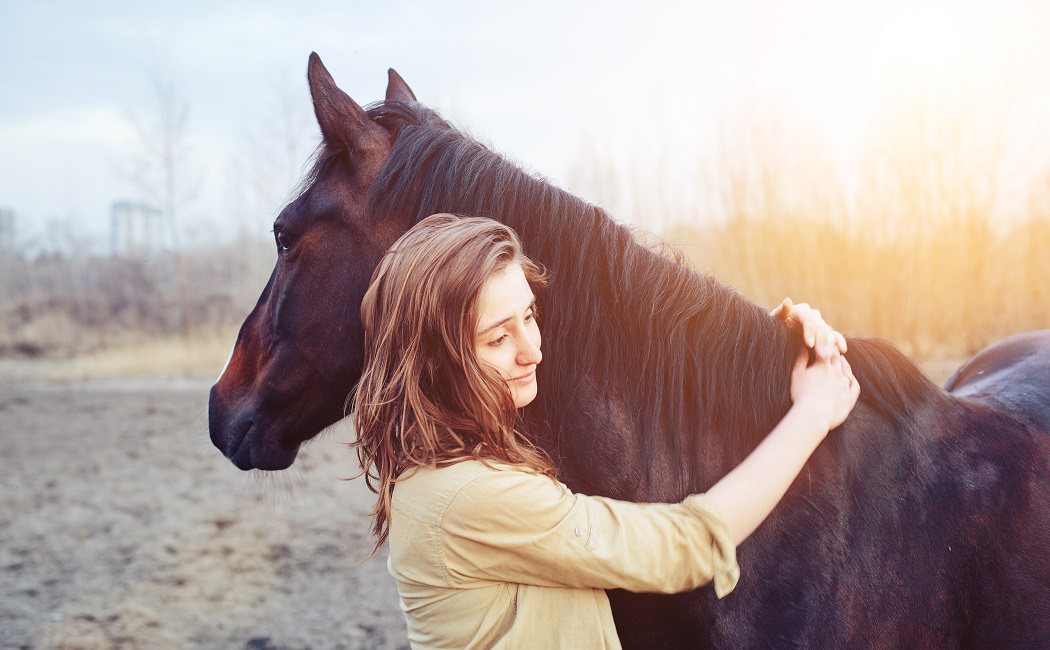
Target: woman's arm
{"type": "Point", "coordinates": [515, 526]}
{"type": "Point", "coordinates": [823, 393]}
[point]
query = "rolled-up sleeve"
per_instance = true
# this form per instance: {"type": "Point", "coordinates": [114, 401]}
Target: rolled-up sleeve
{"type": "Point", "coordinates": [514, 526]}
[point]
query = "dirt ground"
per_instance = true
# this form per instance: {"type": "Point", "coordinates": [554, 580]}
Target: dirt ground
{"type": "Point", "coordinates": [123, 527]}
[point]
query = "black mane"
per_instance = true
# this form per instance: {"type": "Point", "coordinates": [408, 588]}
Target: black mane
{"type": "Point", "coordinates": [682, 352]}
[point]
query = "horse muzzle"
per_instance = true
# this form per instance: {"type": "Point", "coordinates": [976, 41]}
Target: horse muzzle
{"type": "Point", "coordinates": [242, 435]}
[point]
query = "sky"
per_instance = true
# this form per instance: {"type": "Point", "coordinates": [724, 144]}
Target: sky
{"type": "Point", "coordinates": [553, 85]}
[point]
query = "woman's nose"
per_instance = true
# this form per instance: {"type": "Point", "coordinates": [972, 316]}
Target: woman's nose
{"type": "Point", "coordinates": [529, 352]}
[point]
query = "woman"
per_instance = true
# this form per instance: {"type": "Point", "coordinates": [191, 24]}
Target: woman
{"type": "Point", "coordinates": [487, 548]}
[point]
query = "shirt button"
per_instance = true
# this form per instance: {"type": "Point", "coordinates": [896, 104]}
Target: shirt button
{"type": "Point", "coordinates": [578, 531]}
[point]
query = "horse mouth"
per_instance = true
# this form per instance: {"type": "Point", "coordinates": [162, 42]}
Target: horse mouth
{"type": "Point", "coordinates": [252, 452]}
{"type": "Point", "coordinates": [241, 456]}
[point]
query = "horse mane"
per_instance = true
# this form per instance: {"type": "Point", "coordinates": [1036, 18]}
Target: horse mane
{"type": "Point", "coordinates": [684, 351]}
{"type": "Point", "coordinates": [890, 382]}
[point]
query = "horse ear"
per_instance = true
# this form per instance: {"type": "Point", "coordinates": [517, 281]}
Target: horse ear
{"type": "Point", "coordinates": [396, 88]}
{"type": "Point", "coordinates": [338, 115]}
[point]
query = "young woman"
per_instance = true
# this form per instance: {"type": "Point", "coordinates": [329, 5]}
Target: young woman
{"type": "Point", "coordinates": [487, 548]}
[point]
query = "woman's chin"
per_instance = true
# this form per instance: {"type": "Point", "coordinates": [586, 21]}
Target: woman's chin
{"type": "Point", "coordinates": [524, 395]}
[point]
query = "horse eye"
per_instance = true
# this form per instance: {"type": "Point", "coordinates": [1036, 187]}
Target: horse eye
{"type": "Point", "coordinates": [283, 239]}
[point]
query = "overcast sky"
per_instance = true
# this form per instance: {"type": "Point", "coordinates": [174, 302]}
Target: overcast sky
{"type": "Point", "coordinates": [541, 81]}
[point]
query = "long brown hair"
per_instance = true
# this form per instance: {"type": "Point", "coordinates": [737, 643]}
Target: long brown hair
{"type": "Point", "coordinates": [424, 398]}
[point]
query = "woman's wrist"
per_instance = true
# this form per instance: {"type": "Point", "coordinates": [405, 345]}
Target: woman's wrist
{"type": "Point", "coordinates": [814, 417]}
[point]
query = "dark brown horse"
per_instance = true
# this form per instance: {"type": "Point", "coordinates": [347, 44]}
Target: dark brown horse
{"type": "Point", "coordinates": [924, 521]}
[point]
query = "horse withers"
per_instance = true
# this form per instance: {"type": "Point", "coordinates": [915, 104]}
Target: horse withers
{"type": "Point", "coordinates": [923, 521]}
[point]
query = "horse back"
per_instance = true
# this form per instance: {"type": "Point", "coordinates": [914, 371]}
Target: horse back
{"type": "Point", "coordinates": [1012, 375]}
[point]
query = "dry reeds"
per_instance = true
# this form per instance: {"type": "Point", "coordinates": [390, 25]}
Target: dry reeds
{"type": "Point", "coordinates": [933, 233]}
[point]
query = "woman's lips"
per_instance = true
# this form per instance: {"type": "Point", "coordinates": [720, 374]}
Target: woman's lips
{"type": "Point", "coordinates": [526, 378]}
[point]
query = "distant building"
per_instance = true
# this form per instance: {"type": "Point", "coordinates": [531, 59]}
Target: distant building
{"type": "Point", "coordinates": [7, 229]}
{"type": "Point", "coordinates": [136, 227]}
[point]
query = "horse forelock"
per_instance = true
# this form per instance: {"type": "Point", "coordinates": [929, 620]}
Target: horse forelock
{"type": "Point", "coordinates": [704, 372]}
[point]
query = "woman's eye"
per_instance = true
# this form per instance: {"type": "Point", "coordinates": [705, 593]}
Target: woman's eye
{"type": "Point", "coordinates": [283, 240]}
{"type": "Point", "coordinates": [529, 316]}
{"type": "Point", "coordinates": [497, 342]}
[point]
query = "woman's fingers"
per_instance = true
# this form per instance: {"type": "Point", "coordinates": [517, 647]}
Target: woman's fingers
{"type": "Point", "coordinates": [783, 310]}
{"type": "Point", "coordinates": [826, 338]}
{"type": "Point", "coordinates": [815, 331]}
{"type": "Point", "coordinates": [852, 387]}
{"type": "Point", "coordinates": [817, 334]}
{"type": "Point", "coordinates": [845, 395]}
{"type": "Point", "coordinates": [820, 336]}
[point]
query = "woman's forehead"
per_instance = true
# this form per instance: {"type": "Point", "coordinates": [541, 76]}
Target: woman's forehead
{"type": "Point", "coordinates": [504, 294]}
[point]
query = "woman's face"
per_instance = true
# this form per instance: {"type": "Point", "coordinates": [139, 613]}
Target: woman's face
{"type": "Point", "coordinates": [508, 337]}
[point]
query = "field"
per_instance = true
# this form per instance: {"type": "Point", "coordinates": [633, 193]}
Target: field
{"type": "Point", "coordinates": [123, 527]}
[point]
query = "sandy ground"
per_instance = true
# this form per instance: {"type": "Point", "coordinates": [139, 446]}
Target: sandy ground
{"type": "Point", "coordinates": [122, 527]}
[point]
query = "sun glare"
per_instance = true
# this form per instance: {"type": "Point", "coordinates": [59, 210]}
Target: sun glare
{"type": "Point", "coordinates": [926, 44]}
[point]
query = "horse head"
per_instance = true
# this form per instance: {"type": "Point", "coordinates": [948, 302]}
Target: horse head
{"type": "Point", "coordinates": [300, 351]}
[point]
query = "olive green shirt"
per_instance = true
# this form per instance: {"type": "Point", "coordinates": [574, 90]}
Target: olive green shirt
{"type": "Point", "coordinates": [500, 557]}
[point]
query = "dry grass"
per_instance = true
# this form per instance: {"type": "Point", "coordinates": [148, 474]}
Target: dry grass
{"type": "Point", "coordinates": [931, 233]}
{"type": "Point", "coordinates": [949, 295]}
{"type": "Point", "coordinates": [200, 355]}
{"type": "Point", "coordinates": [939, 369]}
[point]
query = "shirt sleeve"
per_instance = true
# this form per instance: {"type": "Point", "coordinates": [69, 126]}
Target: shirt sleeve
{"type": "Point", "coordinates": [515, 526]}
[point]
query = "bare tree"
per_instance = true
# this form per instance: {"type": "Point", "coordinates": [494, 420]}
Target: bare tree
{"type": "Point", "coordinates": [161, 168]}
{"type": "Point", "coordinates": [276, 148]}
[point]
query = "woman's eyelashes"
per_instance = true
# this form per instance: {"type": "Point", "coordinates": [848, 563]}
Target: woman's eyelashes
{"type": "Point", "coordinates": [528, 318]}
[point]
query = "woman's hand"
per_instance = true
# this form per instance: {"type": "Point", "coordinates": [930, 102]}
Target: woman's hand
{"type": "Point", "coordinates": [825, 390]}
{"type": "Point", "coordinates": [825, 341]}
